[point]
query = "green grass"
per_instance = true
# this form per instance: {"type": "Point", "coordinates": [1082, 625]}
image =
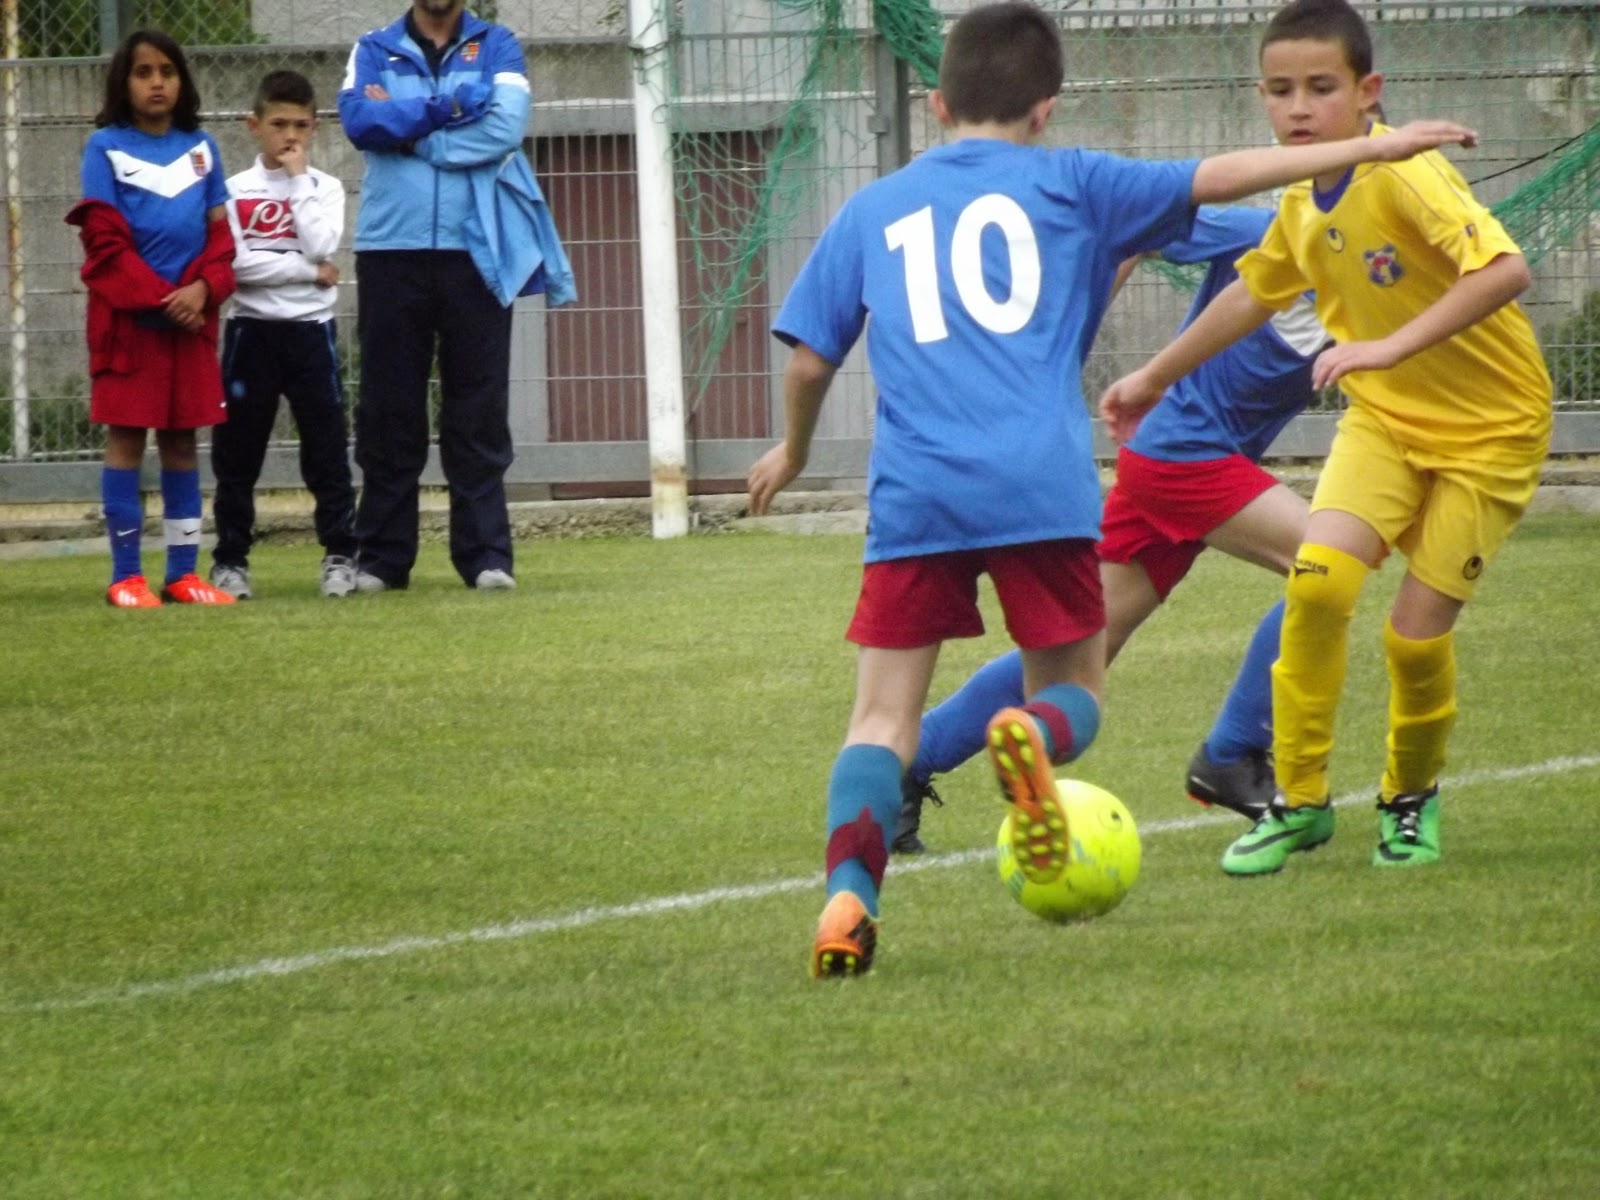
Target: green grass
{"type": "Point", "coordinates": [186, 792]}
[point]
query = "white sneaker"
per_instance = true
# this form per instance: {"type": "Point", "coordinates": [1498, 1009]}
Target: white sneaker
{"type": "Point", "coordinates": [494, 579]}
{"type": "Point", "coordinates": [370, 583]}
{"type": "Point", "coordinates": [233, 580]}
{"type": "Point", "coordinates": [338, 575]}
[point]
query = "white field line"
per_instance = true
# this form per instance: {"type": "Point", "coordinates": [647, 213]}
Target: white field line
{"type": "Point", "coordinates": [684, 902]}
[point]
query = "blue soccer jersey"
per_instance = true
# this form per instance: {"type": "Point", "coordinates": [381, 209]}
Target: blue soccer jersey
{"type": "Point", "coordinates": [1238, 401]}
{"type": "Point", "coordinates": [162, 185]}
{"type": "Point", "coordinates": [985, 268]}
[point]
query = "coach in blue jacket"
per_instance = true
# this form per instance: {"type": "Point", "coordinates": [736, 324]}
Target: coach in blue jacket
{"type": "Point", "coordinates": [433, 101]}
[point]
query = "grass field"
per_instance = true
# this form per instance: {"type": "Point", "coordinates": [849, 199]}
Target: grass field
{"type": "Point", "coordinates": [448, 894]}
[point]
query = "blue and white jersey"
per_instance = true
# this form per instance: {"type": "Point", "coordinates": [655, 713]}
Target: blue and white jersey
{"type": "Point", "coordinates": [163, 185]}
{"type": "Point", "coordinates": [1238, 401]}
{"type": "Point", "coordinates": [985, 268]}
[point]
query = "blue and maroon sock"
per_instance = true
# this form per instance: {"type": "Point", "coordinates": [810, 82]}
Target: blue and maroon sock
{"type": "Point", "coordinates": [863, 802]}
{"type": "Point", "coordinates": [1069, 718]}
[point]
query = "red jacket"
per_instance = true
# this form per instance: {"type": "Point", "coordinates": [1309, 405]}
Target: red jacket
{"type": "Point", "coordinates": [122, 285]}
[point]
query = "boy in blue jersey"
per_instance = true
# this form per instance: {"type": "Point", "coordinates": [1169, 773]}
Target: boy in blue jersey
{"type": "Point", "coordinates": [438, 103]}
{"type": "Point", "coordinates": [1188, 477]}
{"type": "Point", "coordinates": [985, 266]}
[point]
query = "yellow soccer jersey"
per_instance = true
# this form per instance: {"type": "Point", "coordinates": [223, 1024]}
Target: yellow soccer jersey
{"type": "Point", "coordinates": [1389, 245]}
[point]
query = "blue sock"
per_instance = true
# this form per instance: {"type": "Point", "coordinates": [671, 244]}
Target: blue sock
{"type": "Point", "coordinates": [953, 731]}
{"type": "Point", "coordinates": [1069, 717]}
{"type": "Point", "coordinates": [1245, 722]}
{"type": "Point", "coordinates": [180, 505]}
{"type": "Point", "coordinates": [119, 493]}
{"type": "Point", "coordinates": [863, 802]}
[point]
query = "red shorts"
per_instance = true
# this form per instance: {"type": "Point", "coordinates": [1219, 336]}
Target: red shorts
{"type": "Point", "coordinates": [176, 383]}
{"type": "Point", "coordinates": [1049, 592]}
{"type": "Point", "coordinates": [1159, 513]}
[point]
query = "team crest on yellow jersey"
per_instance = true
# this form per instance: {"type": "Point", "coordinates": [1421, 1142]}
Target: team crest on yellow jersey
{"type": "Point", "coordinates": [1383, 266]}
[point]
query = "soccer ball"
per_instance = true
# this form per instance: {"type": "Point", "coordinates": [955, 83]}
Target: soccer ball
{"type": "Point", "coordinates": [1103, 858]}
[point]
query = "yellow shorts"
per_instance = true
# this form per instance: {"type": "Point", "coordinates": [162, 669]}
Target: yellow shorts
{"type": "Point", "coordinates": [1447, 515]}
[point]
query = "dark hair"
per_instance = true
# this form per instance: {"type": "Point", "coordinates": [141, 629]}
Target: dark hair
{"type": "Point", "coordinates": [118, 109]}
{"type": "Point", "coordinates": [284, 87]}
{"type": "Point", "coordinates": [1323, 21]}
{"type": "Point", "coordinates": [999, 61]}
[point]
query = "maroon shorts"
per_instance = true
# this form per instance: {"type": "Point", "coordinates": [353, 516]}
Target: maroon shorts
{"type": "Point", "coordinates": [1159, 513]}
{"type": "Point", "coordinates": [176, 383]}
{"type": "Point", "coordinates": [1049, 592]}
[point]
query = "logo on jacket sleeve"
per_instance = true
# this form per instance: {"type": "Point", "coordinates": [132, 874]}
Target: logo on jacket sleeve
{"type": "Point", "coordinates": [1383, 266]}
{"type": "Point", "coordinates": [469, 52]}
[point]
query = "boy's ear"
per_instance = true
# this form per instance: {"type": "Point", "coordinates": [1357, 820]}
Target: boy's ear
{"type": "Point", "coordinates": [1370, 89]}
{"type": "Point", "coordinates": [940, 109]}
{"type": "Point", "coordinates": [252, 122]}
{"type": "Point", "coordinates": [1039, 114]}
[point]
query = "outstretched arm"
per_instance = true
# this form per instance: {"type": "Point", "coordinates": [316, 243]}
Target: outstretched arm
{"type": "Point", "coordinates": [1468, 300]}
{"type": "Point", "coordinates": [805, 384]}
{"type": "Point", "coordinates": [1240, 173]}
{"type": "Point", "coordinates": [1233, 313]}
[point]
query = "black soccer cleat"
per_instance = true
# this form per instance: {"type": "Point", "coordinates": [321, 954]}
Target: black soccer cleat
{"type": "Point", "coordinates": [1246, 787]}
{"type": "Point", "coordinates": [912, 794]}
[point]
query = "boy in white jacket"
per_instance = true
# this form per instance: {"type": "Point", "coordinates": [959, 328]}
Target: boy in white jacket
{"type": "Point", "coordinates": [281, 339]}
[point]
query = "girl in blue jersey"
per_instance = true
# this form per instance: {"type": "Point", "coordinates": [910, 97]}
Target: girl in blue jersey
{"type": "Point", "coordinates": [985, 266]}
{"type": "Point", "coordinates": [158, 262]}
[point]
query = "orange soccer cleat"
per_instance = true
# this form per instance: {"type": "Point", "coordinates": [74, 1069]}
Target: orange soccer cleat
{"type": "Point", "coordinates": [132, 592]}
{"type": "Point", "coordinates": [191, 589]}
{"type": "Point", "coordinates": [1021, 764]}
{"type": "Point", "coordinates": [846, 939]}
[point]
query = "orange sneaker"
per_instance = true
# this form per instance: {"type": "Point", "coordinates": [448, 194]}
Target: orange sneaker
{"type": "Point", "coordinates": [846, 939]}
{"type": "Point", "coordinates": [132, 592]}
{"type": "Point", "coordinates": [191, 589]}
{"type": "Point", "coordinates": [1039, 826]}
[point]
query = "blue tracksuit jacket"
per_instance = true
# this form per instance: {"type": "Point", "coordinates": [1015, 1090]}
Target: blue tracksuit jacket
{"type": "Point", "coordinates": [420, 156]}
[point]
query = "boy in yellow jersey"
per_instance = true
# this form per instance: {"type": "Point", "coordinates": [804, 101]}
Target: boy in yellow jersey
{"type": "Point", "coordinates": [1438, 453]}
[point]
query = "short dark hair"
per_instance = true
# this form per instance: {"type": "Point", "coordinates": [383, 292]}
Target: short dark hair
{"type": "Point", "coordinates": [118, 108]}
{"type": "Point", "coordinates": [1324, 21]}
{"type": "Point", "coordinates": [284, 87]}
{"type": "Point", "coordinates": [999, 61]}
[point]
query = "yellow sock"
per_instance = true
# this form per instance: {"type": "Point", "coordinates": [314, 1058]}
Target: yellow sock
{"type": "Point", "coordinates": [1309, 673]}
{"type": "Point", "coordinates": [1422, 708]}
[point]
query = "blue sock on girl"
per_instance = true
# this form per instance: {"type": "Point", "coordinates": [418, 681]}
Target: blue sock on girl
{"type": "Point", "coordinates": [180, 499]}
{"type": "Point", "coordinates": [119, 494]}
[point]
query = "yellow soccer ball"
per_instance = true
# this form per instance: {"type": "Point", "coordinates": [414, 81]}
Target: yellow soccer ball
{"type": "Point", "coordinates": [1102, 858]}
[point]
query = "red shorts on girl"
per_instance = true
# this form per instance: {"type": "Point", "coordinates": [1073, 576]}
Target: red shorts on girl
{"type": "Point", "coordinates": [175, 382]}
{"type": "Point", "coordinates": [1049, 592]}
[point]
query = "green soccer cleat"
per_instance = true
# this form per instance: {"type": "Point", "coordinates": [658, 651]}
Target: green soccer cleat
{"type": "Point", "coordinates": [1279, 833]}
{"type": "Point", "coordinates": [1408, 830]}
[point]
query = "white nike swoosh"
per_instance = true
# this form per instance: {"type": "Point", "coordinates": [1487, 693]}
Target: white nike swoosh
{"type": "Point", "coordinates": [127, 532]}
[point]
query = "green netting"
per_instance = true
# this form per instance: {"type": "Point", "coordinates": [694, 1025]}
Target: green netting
{"type": "Point", "coordinates": [739, 195]}
{"type": "Point", "coordinates": [1174, 83]}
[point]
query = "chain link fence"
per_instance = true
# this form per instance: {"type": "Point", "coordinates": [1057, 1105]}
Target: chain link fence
{"type": "Point", "coordinates": [779, 109]}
